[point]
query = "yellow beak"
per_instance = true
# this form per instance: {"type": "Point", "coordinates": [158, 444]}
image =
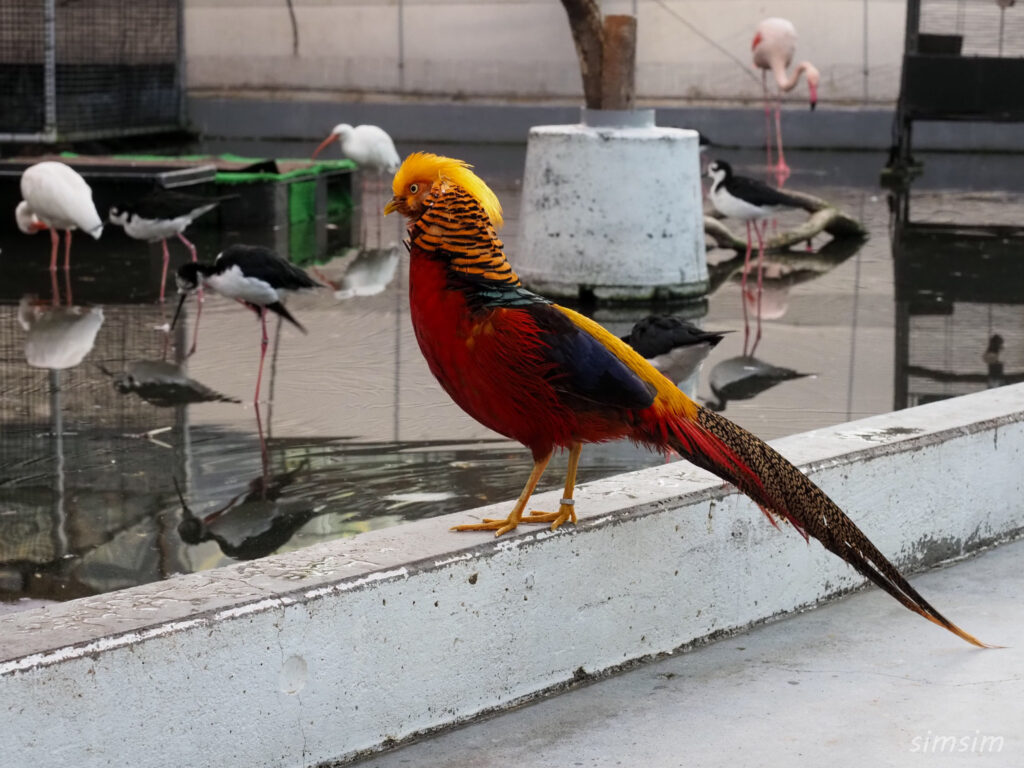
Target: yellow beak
{"type": "Point", "coordinates": [392, 206]}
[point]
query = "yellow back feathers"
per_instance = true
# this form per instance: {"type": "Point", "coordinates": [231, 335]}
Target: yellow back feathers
{"type": "Point", "coordinates": [424, 167]}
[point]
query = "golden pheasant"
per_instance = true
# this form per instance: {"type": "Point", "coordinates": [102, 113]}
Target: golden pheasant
{"type": "Point", "coordinates": [552, 378]}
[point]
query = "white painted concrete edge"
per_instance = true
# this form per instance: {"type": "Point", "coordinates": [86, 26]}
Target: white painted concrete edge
{"type": "Point", "coordinates": [319, 655]}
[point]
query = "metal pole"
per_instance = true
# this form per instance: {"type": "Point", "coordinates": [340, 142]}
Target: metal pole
{"type": "Point", "coordinates": [865, 35]}
{"type": "Point", "coordinates": [50, 68]}
{"type": "Point", "coordinates": [179, 71]}
{"type": "Point", "coordinates": [401, 45]}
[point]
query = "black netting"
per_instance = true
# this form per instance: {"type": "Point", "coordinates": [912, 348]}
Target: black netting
{"type": "Point", "coordinates": [116, 65]}
{"type": "Point", "coordinates": [975, 27]}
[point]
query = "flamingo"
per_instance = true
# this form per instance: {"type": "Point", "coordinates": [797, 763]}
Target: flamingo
{"type": "Point", "coordinates": [55, 196]}
{"type": "Point", "coordinates": [369, 147]}
{"type": "Point", "coordinates": [773, 47]}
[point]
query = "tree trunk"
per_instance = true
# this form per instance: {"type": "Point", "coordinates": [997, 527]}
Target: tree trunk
{"type": "Point", "coordinates": [588, 34]}
{"type": "Point", "coordinates": [618, 66]}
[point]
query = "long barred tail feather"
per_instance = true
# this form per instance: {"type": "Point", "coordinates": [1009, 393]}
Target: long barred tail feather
{"type": "Point", "coordinates": [779, 488]}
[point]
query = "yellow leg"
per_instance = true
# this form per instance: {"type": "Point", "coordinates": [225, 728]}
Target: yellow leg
{"type": "Point", "coordinates": [567, 509]}
{"type": "Point", "coordinates": [508, 524]}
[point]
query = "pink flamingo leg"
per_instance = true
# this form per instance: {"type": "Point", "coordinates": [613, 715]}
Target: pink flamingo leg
{"type": "Point", "coordinates": [263, 353]}
{"type": "Point", "coordinates": [67, 264]}
{"type": "Point", "coordinates": [767, 122]}
{"type": "Point", "coordinates": [743, 291]}
{"type": "Point", "coordinates": [781, 169]}
{"type": "Point", "coordinates": [760, 231]}
{"type": "Point", "coordinates": [163, 273]}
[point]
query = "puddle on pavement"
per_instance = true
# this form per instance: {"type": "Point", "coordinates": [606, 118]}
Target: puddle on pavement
{"type": "Point", "coordinates": [96, 442]}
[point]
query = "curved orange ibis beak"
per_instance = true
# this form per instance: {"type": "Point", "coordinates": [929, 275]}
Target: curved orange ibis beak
{"type": "Point", "coordinates": [332, 138]}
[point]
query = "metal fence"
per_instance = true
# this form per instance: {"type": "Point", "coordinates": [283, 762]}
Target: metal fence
{"type": "Point", "coordinates": [85, 69]}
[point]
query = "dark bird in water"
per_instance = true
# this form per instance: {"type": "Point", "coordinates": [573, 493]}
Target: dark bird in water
{"type": "Point", "coordinates": [674, 346]}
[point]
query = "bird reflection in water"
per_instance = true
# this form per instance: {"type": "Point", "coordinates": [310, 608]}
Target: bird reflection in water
{"type": "Point", "coordinates": [367, 273]}
{"type": "Point", "coordinates": [163, 384]}
{"type": "Point", "coordinates": [256, 522]}
{"type": "Point", "coordinates": [57, 337]}
{"type": "Point", "coordinates": [745, 377]}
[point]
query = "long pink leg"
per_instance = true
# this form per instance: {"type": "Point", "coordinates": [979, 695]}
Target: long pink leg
{"type": "Point", "coordinates": [760, 274]}
{"type": "Point", "coordinates": [781, 170]}
{"type": "Point", "coordinates": [163, 273]}
{"type": "Point", "coordinates": [188, 244]}
{"type": "Point", "coordinates": [743, 290]}
{"type": "Point", "coordinates": [67, 264]}
{"type": "Point", "coordinates": [767, 123]}
{"type": "Point", "coordinates": [55, 245]}
{"type": "Point", "coordinates": [195, 257]}
{"type": "Point", "coordinates": [263, 353]}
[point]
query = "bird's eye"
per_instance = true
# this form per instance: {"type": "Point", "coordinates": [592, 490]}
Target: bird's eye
{"type": "Point", "coordinates": [414, 188]}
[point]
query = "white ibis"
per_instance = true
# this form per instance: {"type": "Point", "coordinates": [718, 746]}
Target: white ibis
{"type": "Point", "coordinates": [773, 47]}
{"type": "Point", "coordinates": [369, 147]}
{"type": "Point", "coordinates": [253, 275]}
{"type": "Point", "coordinates": [749, 200]}
{"type": "Point", "coordinates": [161, 214]}
{"type": "Point", "coordinates": [55, 196]}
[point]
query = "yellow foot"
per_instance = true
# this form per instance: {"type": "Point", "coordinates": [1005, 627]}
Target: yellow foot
{"type": "Point", "coordinates": [565, 512]}
{"type": "Point", "coordinates": [498, 526]}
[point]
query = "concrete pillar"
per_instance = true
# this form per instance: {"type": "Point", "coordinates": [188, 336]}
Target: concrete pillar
{"type": "Point", "coordinates": [612, 208]}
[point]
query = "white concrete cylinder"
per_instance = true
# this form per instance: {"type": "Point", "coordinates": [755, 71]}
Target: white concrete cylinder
{"type": "Point", "coordinates": [612, 208]}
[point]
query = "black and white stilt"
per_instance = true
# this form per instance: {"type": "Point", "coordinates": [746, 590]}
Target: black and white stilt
{"type": "Point", "coordinates": [674, 346]}
{"type": "Point", "coordinates": [159, 215]}
{"type": "Point", "coordinates": [253, 275]}
{"type": "Point", "coordinates": [751, 201]}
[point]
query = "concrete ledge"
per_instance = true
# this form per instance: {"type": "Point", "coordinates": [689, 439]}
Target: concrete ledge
{"type": "Point", "coordinates": [322, 654]}
{"type": "Point", "coordinates": [829, 127]}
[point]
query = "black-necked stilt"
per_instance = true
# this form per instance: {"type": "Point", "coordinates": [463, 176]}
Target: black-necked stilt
{"type": "Point", "coordinates": [163, 384]}
{"type": "Point", "coordinates": [772, 48]}
{"type": "Point", "coordinates": [674, 346]}
{"type": "Point", "coordinates": [370, 148]}
{"type": "Point", "coordinates": [751, 201]}
{"type": "Point", "coordinates": [744, 377]}
{"type": "Point", "coordinates": [253, 275]}
{"type": "Point", "coordinates": [55, 196]}
{"type": "Point", "coordinates": [161, 214]}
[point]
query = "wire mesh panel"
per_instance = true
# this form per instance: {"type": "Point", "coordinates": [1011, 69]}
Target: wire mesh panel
{"type": "Point", "coordinates": [975, 27]}
{"type": "Point", "coordinates": [72, 69]}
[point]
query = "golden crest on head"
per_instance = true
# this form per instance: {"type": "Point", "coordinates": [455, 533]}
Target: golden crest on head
{"type": "Point", "coordinates": [424, 167]}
